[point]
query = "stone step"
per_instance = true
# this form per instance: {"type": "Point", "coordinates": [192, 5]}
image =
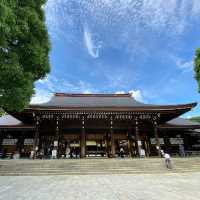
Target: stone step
{"type": "Point", "coordinates": [90, 173]}
{"type": "Point", "coordinates": [96, 166]}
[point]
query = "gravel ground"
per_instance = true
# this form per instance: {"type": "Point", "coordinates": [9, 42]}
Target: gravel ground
{"type": "Point", "coordinates": [99, 187]}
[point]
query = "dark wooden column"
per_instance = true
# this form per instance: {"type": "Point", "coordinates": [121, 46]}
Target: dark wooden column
{"type": "Point", "coordinates": [166, 139]}
{"type": "Point", "coordinates": [147, 146]}
{"type": "Point", "coordinates": [137, 137]}
{"type": "Point", "coordinates": [157, 138]}
{"type": "Point", "coordinates": [112, 138]}
{"type": "Point", "coordinates": [57, 135]}
{"type": "Point", "coordinates": [83, 139]}
{"type": "Point", "coordinates": [1, 139]}
{"type": "Point", "coordinates": [36, 136]}
{"type": "Point", "coordinates": [57, 128]}
{"type": "Point", "coordinates": [129, 143]}
{"type": "Point", "coordinates": [20, 143]}
{"type": "Point", "coordinates": [106, 135]}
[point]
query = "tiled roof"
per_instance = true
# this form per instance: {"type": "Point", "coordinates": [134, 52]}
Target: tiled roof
{"type": "Point", "coordinates": [8, 121]}
{"type": "Point", "coordinates": [182, 122]}
{"type": "Point", "coordinates": [92, 100]}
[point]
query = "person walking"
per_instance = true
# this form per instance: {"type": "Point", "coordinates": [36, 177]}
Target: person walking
{"type": "Point", "coordinates": [167, 158]}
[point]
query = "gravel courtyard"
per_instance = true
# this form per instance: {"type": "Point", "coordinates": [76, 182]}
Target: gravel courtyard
{"type": "Point", "coordinates": [99, 187]}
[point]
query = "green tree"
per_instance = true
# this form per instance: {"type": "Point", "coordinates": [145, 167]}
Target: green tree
{"type": "Point", "coordinates": [1, 112]}
{"type": "Point", "coordinates": [197, 67]}
{"type": "Point", "coordinates": [195, 119]}
{"type": "Point", "coordinates": [24, 50]}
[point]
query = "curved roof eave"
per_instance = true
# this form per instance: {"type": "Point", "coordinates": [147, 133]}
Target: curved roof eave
{"type": "Point", "coordinates": [117, 108]}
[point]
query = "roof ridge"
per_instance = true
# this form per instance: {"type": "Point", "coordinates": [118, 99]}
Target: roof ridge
{"type": "Point", "coordinates": [91, 95]}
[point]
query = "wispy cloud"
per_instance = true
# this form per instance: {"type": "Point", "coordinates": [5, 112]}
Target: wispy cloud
{"type": "Point", "coordinates": [41, 96]}
{"type": "Point", "coordinates": [184, 65]}
{"type": "Point", "coordinates": [126, 20]}
{"type": "Point", "coordinates": [53, 84]}
{"type": "Point", "coordinates": [93, 49]}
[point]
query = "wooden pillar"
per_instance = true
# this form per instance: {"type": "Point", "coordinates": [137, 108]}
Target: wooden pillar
{"type": "Point", "coordinates": [112, 144]}
{"type": "Point", "coordinates": [137, 137]}
{"type": "Point", "coordinates": [112, 138]}
{"type": "Point", "coordinates": [83, 139]}
{"type": "Point", "coordinates": [107, 144]}
{"type": "Point", "coordinates": [129, 143]}
{"type": "Point", "coordinates": [147, 147]}
{"type": "Point", "coordinates": [36, 136]}
{"type": "Point", "coordinates": [57, 136]}
{"type": "Point", "coordinates": [20, 142]}
{"type": "Point", "coordinates": [166, 140]}
{"type": "Point", "coordinates": [157, 138]}
{"type": "Point", "coordinates": [1, 139]}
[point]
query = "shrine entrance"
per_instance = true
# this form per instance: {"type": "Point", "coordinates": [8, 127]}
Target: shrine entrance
{"type": "Point", "coordinates": [69, 145]}
{"type": "Point", "coordinates": [95, 145]}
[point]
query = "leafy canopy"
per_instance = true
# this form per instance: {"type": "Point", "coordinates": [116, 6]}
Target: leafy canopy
{"type": "Point", "coordinates": [197, 67]}
{"type": "Point", "coordinates": [1, 112]}
{"type": "Point", "coordinates": [195, 119]}
{"type": "Point", "coordinates": [24, 49]}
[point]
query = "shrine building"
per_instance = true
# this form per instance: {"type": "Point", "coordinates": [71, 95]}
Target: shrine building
{"type": "Point", "coordinates": [98, 125]}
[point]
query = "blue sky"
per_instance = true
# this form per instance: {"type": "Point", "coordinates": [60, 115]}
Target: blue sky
{"type": "Point", "coordinates": [106, 46]}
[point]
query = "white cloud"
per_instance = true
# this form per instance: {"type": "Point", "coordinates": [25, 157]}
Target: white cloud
{"type": "Point", "coordinates": [93, 49]}
{"type": "Point", "coordinates": [171, 15]}
{"type": "Point", "coordinates": [52, 84]}
{"type": "Point", "coordinates": [195, 7]}
{"type": "Point", "coordinates": [184, 65]}
{"type": "Point", "coordinates": [41, 96]}
{"type": "Point", "coordinates": [87, 92]}
{"type": "Point", "coordinates": [125, 20]}
{"type": "Point", "coordinates": [188, 117]}
{"type": "Point", "coordinates": [120, 92]}
{"type": "Point", "coordinates": [136, 94]}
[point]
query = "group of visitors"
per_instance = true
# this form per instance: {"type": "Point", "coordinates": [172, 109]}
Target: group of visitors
{"type": "Point", "coordinates": [53, 153]}
{"type": "Point", "coordinates": [72, 152]}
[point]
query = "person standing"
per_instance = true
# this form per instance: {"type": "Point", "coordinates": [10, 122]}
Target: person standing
{"type": "Point", "coordinates": [121, 152]}
{"type": "Point", "coordinates": [67, 152]}
{"type": "Point", "coordinates": [181, 150]}
{"type": "Point", "coordinates": [32, 153]}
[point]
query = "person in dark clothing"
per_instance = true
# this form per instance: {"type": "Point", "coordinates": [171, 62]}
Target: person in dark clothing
{"type": "Point", "coordinates": [121, 151]}
{"type": "Point", "coordinates": [181, 150]}
{"type": "Point", "coordinates": [76, 152]}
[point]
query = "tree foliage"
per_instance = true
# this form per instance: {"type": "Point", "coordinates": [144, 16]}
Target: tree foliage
{"type": "Point", "coordinates": [197, 67]}
{"type": "Point", "coordinates": [24, 49]}
{"type": "Point", "coordinates": [195, 119]}
{"type": "Point", "coordinates": [1, 112]}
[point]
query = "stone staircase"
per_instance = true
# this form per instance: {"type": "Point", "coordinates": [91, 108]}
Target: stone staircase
{"type": "Point", "coordinates": [97, 166]}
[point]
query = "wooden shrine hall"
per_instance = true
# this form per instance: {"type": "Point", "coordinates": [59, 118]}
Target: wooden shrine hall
{"type": "Point", "coordinates": [98, 125]}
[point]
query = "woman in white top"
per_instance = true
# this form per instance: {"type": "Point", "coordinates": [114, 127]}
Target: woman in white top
{"type": "Point", "coordinates": [167, 160]}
